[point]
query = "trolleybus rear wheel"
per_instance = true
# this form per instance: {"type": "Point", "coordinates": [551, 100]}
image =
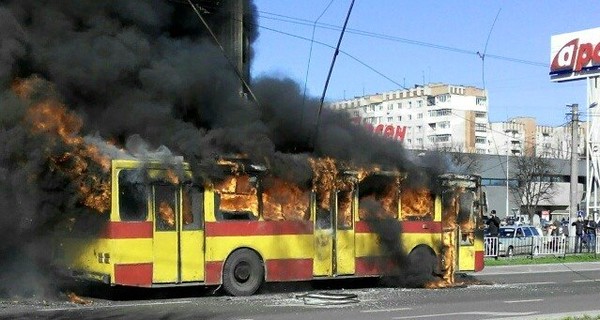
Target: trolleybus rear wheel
{"type": "Point", "coordinates": [243, 273]}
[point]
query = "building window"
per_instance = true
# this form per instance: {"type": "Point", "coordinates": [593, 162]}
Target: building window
{"type": "Point", "coordinates": [444, 124]}
{"type": "Point", "coordinates": [419, 116]}
{"type": "Point", "coordinates": [399, 105]}
{"type": "Point", "coordinates": [419, 128]}
{"type": "Point", "coordinates": [391, 106]}
{"type": "Point", "coordinates": [480, 114]}
{"type": "Point", "coordinates": [480, 127]}
{"type": "Point", "coordinates": [420, 103]}
{"type": "Point", "coordinates": [380, 108]}
{"type": "Point", "coordinates": [399, 118]}
{"type": "Point", "coordinates": [480, 140]}
{"type": "Point", "coordinates": [390, 119]}
{"type": "Point", "coordinates": [440, 112]}
{"type": "Point", "coordinates": [420, 141]}
{"type": "Point", "coordinates": [355, 113]}
{"type": "Point", "coordinates": [410, 117]}
{"type": "Point", "coordinates": [442, 98]}
{"type": "Point", "coordinates": [372, 107]}
{"type": "Point", "coordinates": [410, 104]}
{"type": "Point", "coordinates": [480, 100]}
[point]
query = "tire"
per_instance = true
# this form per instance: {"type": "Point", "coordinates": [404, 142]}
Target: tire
{"type": "Point", "coordinates": [424, 261]}
{"type": "Point", "coordinates": [510, 252]}
{"type": "Point", "coordinates": [243, 273]}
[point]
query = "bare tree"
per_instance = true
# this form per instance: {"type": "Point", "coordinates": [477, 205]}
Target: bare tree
{"type": "Point", "coordinates": [534, 182]}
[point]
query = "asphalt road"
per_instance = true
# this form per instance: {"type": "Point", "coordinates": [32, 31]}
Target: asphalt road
{"type": "Point", "coordinates": [523, 292]}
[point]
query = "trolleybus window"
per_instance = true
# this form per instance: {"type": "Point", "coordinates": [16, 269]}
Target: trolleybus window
{"type": "Point", "coordinates": [193, 213]}
{"type": "Point", "coordinates": [133, 201]}
{"type": "Point", "coordinates": [344, 219]}
{"type": "Point", "coordinates": [237, 198]}
{"type": "Point", "coordinates": [165, 207]}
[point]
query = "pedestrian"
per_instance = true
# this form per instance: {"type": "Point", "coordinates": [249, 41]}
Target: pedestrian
{"type": "Point", "coordinates": [494, 224]}
{"type": "Point", "coordinates": [579, 233]}
{"type": "Point", "coordinates": [590, 230]}
{"type": "Point", "coordinates": [493, 227]}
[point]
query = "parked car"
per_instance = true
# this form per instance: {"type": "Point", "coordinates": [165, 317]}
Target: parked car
{"type": "Point", "coordinates": [518, 240]}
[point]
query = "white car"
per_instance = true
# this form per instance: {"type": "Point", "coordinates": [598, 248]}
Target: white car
{"type": "Point", "coordinates": [514, 240]}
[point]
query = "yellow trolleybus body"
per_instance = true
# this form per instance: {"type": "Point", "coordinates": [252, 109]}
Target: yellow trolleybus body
{"type": "Point", "coordinates": [165, 231]}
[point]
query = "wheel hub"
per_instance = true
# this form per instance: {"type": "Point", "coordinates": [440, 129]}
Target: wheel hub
{"type": "Point", "coordinates": [242, 272]}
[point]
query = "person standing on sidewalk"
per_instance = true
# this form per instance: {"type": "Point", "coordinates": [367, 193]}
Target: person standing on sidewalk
{"type": "Point", "coordinates": [578, 224]}
{"type": "Point", "coordinates": [494, 227]}
{"type": "Point", "coordinates": [590, 230]}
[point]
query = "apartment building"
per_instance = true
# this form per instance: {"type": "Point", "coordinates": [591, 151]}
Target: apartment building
{"type": "Point", "coordinates": [522, 136]}
{"type": "Point", "coordinates": [455, 118]}
{"type": "Point", "coordinates": [432, 116]}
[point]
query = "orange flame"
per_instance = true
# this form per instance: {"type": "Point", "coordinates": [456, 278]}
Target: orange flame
{"type": "Point", "coordinates": [284, 201]}
{"type": "Point", "coordinates": [167, 214]}
{"type": "Point", "coordinates": [53, 119]}
{"type": "Point", "coordinates": [417, 204]}
{"type": "Point", "coordinates": [77, 299]}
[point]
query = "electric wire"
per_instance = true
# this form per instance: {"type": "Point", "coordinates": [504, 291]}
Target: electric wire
{"type": "Point", "coordinates": [312, 41]}
{"type": "Point", "coordinates": [288, 19]}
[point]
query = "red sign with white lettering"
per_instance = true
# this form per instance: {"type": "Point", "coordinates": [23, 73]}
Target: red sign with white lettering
{"type": "Point", "coordinates": [575, 55]}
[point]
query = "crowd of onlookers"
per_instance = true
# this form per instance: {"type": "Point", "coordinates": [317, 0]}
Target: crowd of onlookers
{"type": "Point", "coordinates": [583, 229]}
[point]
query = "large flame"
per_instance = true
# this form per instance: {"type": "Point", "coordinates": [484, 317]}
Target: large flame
{"type": "Point", "coordinates": [283, 200]}
{"type": "Point", "coordinates": [417, 204]}
{"type": "Point", "coordinates": [83, 163]}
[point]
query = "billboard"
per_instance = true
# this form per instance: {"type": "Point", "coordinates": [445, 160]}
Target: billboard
{"type": "Point", "coordinates": [575, 55]}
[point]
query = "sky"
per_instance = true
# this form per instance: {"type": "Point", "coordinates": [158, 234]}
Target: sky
{"type": "Point", "coordinates": [390, 44]}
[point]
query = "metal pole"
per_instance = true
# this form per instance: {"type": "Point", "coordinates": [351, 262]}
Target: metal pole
{"type": "Point", "coordinates": [574, 160]}
{"type": "Point", "coordinates": [507, 185]}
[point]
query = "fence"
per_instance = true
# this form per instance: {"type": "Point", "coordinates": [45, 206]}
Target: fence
{"type": "Point", "coordinates": [540, 246]}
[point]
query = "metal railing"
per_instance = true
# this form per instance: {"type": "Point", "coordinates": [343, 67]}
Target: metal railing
{"type": "Point", "coordinates": [541, 245]}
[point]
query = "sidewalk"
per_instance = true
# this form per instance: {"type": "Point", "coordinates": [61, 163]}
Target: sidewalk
{"type": "Point", "coordinates": [537, 268]}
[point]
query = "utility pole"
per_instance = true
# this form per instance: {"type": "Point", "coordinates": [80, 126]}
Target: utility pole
{"type": "Point", "coordinates": [574, 160]}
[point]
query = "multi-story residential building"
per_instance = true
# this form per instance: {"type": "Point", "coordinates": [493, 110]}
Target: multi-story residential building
{"type": "Point", "coordinates": [455, 118]}
{"type": "Point", "coordinates": [522, 136]}
{"type": "Point", "coordinates": [433, 116]}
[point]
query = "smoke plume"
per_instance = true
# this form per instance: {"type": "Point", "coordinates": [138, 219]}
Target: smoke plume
{"type": "Point", "coordinates": [140, 75]}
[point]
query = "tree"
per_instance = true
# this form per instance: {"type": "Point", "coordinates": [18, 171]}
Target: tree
{"type": "Point", "coordinates": [534, 182]}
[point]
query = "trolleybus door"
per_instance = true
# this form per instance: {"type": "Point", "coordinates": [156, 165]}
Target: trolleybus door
{"type": "Point", "coordinates": [165, 207]}
{"type": "Point", "coordinates": [467, 228]}
{"type": "Point", "coordinates": [192, 234]}
{"type": "Point", "coordinates": [344, 235]}
{"type": "Point", "coordinates": [323, 239]}
{"type": "Point", "coordinates": [334, 236]}
{"type": "Point", "coordinates": [178, 234]}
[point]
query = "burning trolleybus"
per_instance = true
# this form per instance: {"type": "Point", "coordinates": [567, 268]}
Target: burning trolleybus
{"type": "Point", "coordinates": [163, 230]}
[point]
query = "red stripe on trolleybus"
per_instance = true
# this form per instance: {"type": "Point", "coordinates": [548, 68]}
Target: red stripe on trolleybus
{"type": "Point", "coordinates": [137, 274]}
{"type": "Point", "coordinates": [127, 230]}
{"type": "Point", "coordinates": [289, 269]}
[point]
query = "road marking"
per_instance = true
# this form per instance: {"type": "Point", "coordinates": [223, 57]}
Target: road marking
{"type": "Point", "coordinates": [385, 310]}
{"type": "Point", "coordinates": [471, 313]}
{"type": "Point", "coordinates": [523, 301]}
{"type": "Point", "coordinates": [532, 283]}
{"type": "Point", "coordinates": [122, 305]}
{"type": "Point", "coordinates": [587, 280]}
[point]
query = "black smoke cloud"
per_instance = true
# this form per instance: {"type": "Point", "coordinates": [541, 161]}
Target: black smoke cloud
{"type": "Point", "coordinates": [146, 69]}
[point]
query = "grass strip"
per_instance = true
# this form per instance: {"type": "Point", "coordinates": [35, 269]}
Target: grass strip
{"type": "Point", "coordinates": [501, 261]}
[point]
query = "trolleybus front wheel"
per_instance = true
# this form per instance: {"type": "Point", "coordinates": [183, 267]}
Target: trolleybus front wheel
{"type": "Point", "coordinates": [243, 273]}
